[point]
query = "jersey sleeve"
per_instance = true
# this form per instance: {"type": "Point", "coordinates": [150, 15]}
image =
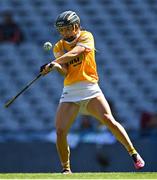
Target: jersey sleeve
{"type": "Point", "coordinates": [86, 40]}
{"type": "Point", "coordinates": [57, 50]}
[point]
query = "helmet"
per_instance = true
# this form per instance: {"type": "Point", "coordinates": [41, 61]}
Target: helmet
{"type": "Point", "coordinates": [67, 18]}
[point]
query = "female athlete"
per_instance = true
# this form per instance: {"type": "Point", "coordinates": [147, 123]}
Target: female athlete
{"type": "Point", "coordinates": [75, 59]}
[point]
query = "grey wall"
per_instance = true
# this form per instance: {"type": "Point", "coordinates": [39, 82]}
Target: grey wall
{"type": "Point", "coordinates": [42, 157]}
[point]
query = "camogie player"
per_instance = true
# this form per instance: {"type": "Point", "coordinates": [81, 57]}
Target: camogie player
{"type": "Point", "coordinates": [75, 59]}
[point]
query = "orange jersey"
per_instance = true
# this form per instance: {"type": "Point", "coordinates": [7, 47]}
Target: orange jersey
{"type": "Point", "coordinates": [83, 67]}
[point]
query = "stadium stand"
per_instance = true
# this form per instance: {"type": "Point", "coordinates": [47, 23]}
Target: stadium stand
{"type": "Point", "coordinates": [126, 42]}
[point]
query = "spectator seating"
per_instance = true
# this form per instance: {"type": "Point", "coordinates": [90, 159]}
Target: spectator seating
{"type": "Point", "coordinates": [126, 41]}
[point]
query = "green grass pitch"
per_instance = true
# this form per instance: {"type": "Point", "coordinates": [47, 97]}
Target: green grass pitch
{"type": "Point", "coordinates": [123, 175]}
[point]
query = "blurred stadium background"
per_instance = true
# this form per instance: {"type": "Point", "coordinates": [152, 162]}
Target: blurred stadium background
{"type": "Point", "coordinates": [126, 41]}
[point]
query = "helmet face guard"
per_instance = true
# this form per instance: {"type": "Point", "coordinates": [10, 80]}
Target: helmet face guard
{"type": "Point", "coordinates": [66, 28]}
{"type": "Point", "coordinates": [66, 19]}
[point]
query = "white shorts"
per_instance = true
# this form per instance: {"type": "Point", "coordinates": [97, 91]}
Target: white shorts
{"type": "Point", "coordinates": [80, 93]}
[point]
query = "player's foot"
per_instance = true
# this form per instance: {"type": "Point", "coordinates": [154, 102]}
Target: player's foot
{"type": "Point", "coordinates": [138, 161]}
{"type": "Point", "coordinates": [66, 171]}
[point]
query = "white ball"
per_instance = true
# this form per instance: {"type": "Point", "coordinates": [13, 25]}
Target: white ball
{"type": "Point", "coordinates": [47, 46]}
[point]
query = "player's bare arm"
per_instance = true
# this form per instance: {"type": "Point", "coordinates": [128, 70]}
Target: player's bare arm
{"type": "Point", "coordinates": [60, 62]}
{"type": "Point", "coordinates": [76, 51]}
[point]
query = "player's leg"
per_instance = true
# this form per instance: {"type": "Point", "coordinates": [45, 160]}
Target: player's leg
{"type": "Point", "coordinates": [65, 116]}
{"type": "Point", "coordinates": [99, 108]}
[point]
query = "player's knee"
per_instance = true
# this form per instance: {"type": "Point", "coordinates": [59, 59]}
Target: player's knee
{"type": "Point", "coordinates": [60, 132]}
{"type": "Point", "coordinates": [108, 119]}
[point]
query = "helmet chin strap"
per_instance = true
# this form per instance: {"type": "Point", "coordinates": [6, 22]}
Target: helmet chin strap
{"type": "Point", "coordinates": [72, 38]}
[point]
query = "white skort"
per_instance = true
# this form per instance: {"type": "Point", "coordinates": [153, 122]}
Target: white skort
{"type": "Point", "coordinates": [80, 93]}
